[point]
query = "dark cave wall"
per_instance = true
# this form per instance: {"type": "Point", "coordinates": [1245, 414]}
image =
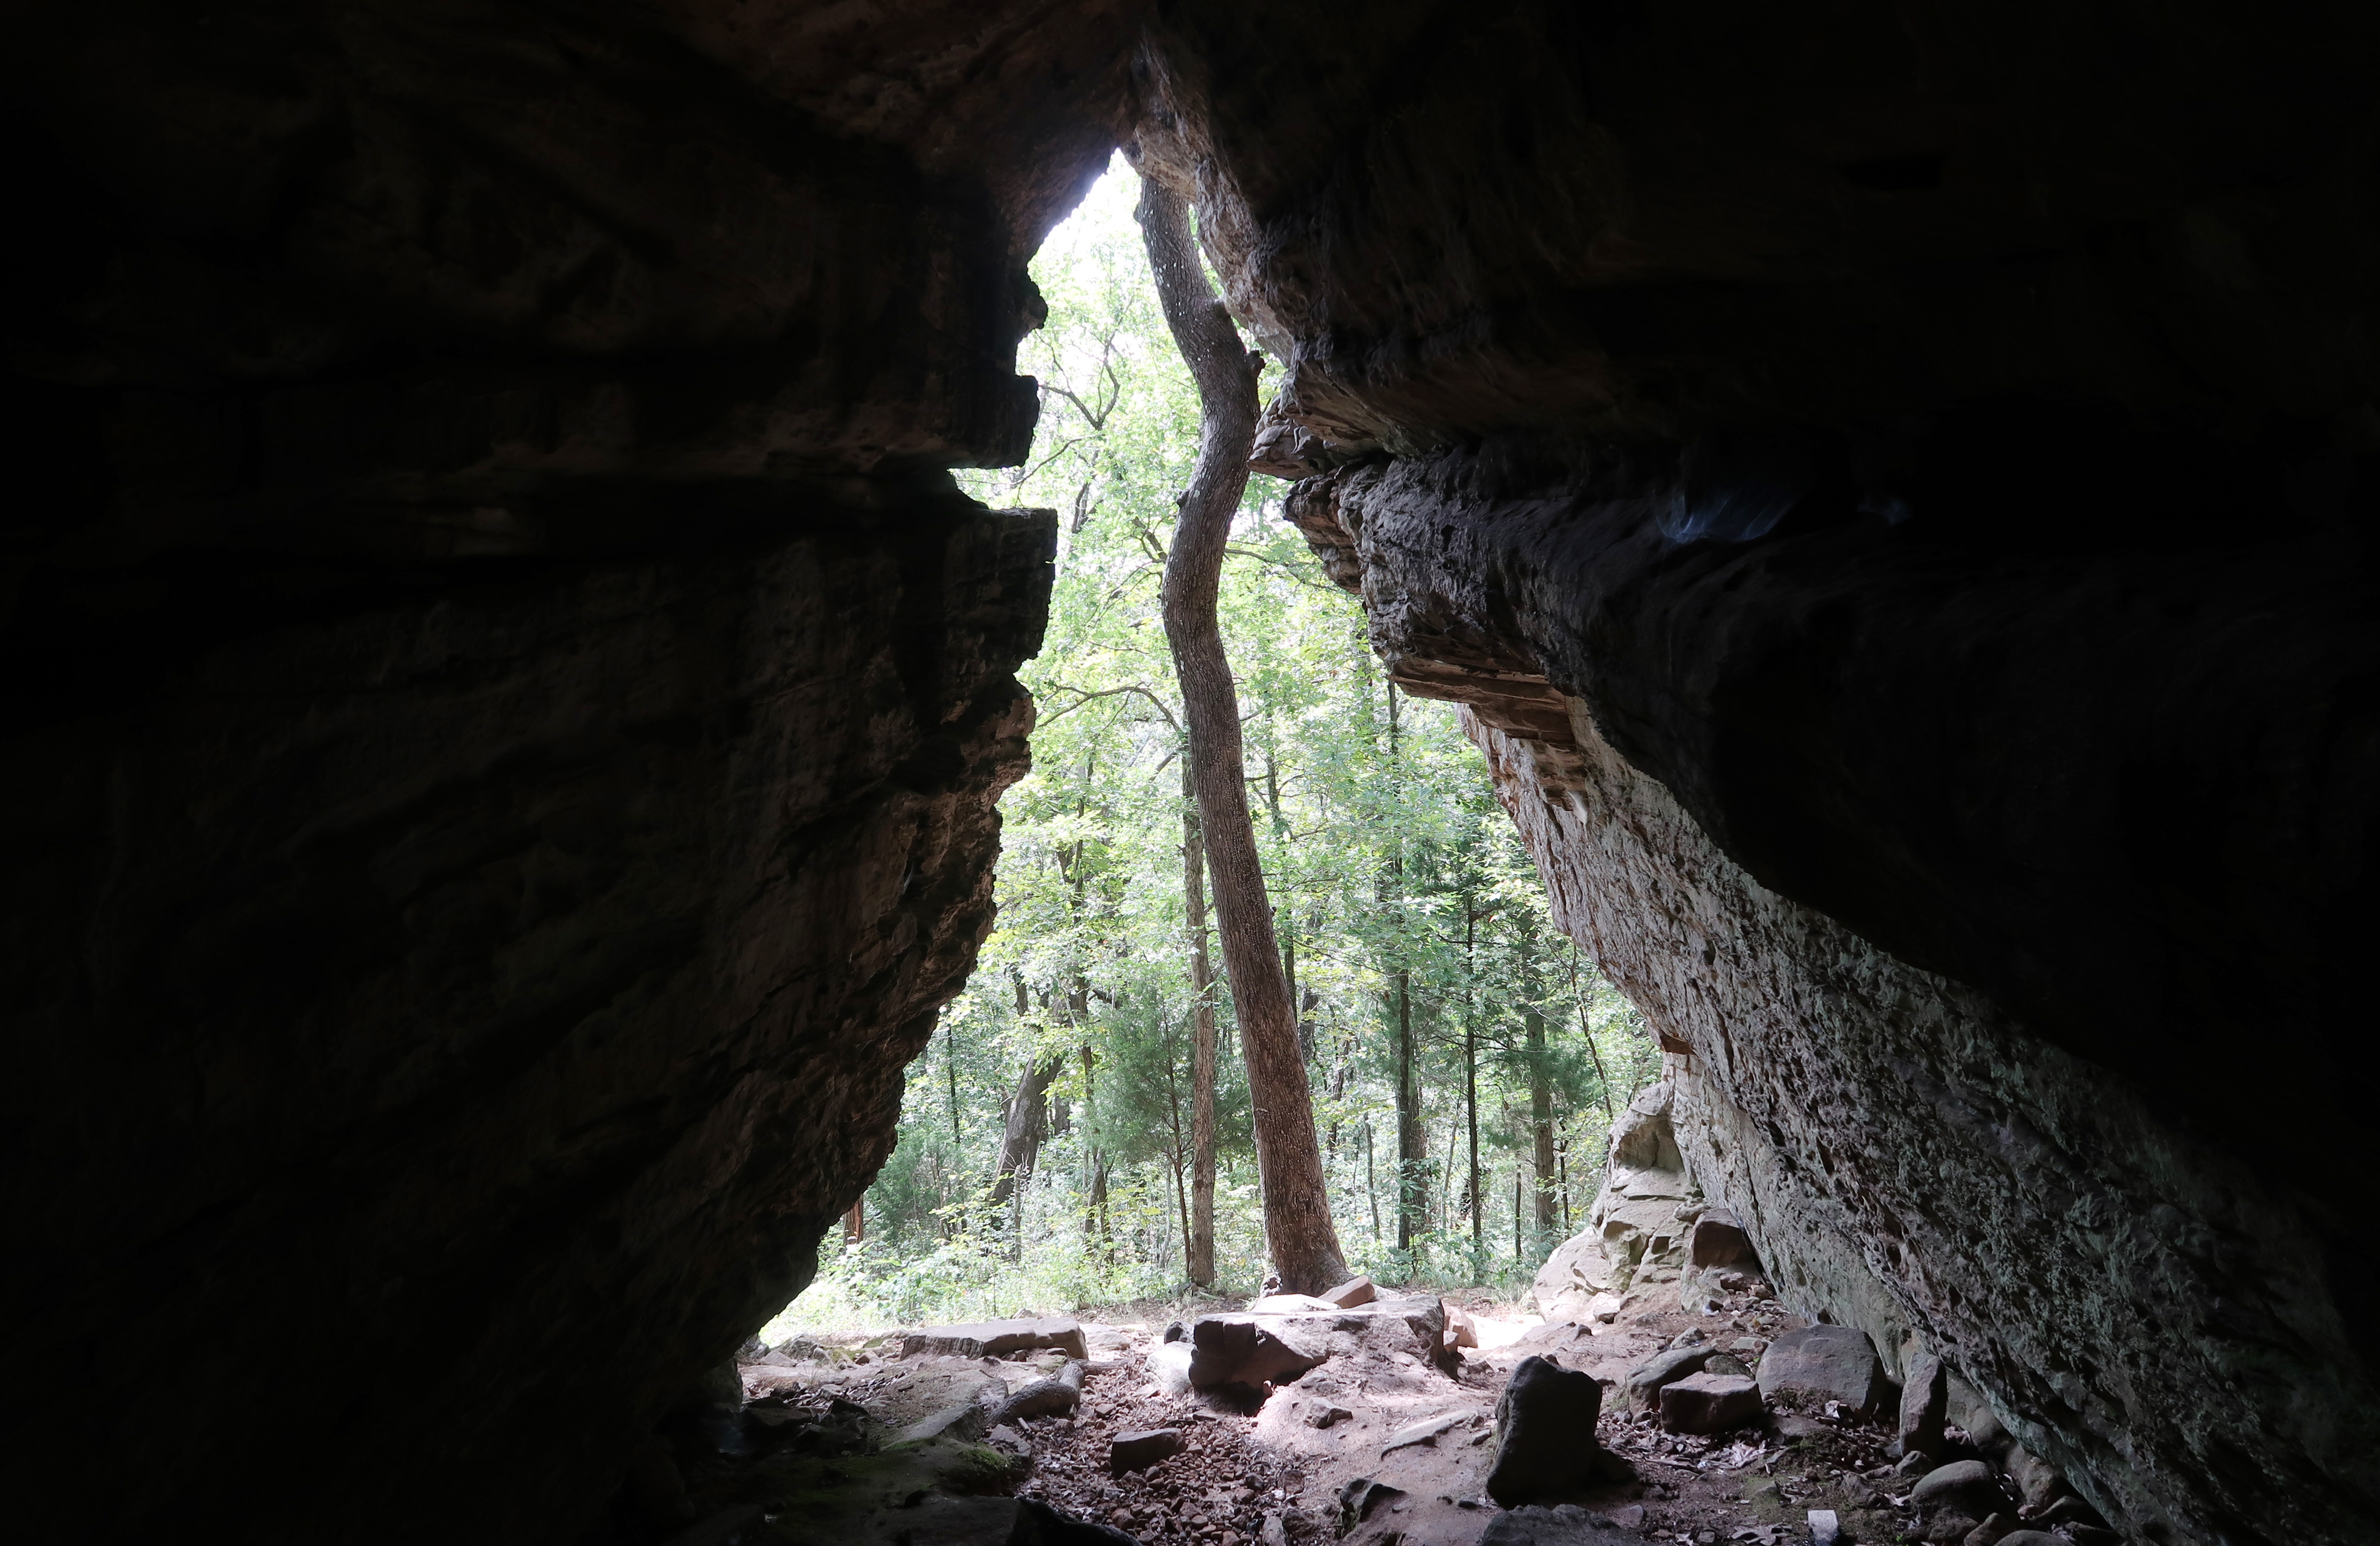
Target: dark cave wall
{"type": "Point", "coordinates": [2161, 1315]}
{"type": "Point", "coordinates": [1917, 470]}
{"type": "Point", "coordinates": [504, 712]}
{"type": "Point", "coordinates": [2149, 1315]}
{"type": "Point", "coordinates": [488, 1003]}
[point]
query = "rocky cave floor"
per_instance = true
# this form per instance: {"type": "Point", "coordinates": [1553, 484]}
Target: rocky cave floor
{"type": "Point", "coordinates": [850, 1439]}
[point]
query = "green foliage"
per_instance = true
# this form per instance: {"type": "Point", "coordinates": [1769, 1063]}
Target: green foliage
{"type": "Point", "coordinates": [1384, 845]}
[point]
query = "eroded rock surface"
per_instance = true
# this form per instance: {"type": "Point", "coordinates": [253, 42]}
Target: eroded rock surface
{"type": "Point", "coordinates": [2017, 1214]}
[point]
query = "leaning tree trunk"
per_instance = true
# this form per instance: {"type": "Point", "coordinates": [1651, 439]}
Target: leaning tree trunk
{"type": "Point", "coordinates": [1289, 1158]}
{"type": "Point", "coordinates": [1020, 1142]}
{"type": "Point", "coordinates": [1200, 1259]}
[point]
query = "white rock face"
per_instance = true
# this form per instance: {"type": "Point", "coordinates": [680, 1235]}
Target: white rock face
{"type": "Point", "coordinates": [1637, 1230]}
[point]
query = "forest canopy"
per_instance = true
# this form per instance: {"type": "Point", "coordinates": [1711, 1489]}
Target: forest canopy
{"type": "Point", "coordinates": [1465, 1059]}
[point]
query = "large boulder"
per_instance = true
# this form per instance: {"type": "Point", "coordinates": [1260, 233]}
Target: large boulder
{"type": "Point", "coordinates": [1546, 1447]}
{"type": "Point", "coordinates": [1246, 1349]}
{"type": "Point", "coordinates": [1253, 1346]}
{"type": "Point", "coordinates": [1819, 1364]}
{"type": "Point", "coordinates": [1963, 1487]}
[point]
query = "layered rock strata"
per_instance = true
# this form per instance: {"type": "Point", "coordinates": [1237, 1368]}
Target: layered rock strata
{"type": "Point", "coordinates": [1908, 1156]}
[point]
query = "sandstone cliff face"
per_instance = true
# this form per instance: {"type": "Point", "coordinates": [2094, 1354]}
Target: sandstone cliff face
{"type": "Point", "coordinates": [505, 716]}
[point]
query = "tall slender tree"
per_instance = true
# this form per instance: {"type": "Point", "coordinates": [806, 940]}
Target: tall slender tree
{"type": "Point", "coordinates": [1305, 1251]}
{"type": "Point", "coordinates": [1200, 1257]}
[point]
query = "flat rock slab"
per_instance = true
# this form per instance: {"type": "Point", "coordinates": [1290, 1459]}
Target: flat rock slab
{"type": "Point", "coordinates": [1566, 1525]}
{"type": "Point", "coordinates": [993, 1338]}
{"type": "Point", "coordinates": [1709, 1402]}
{"type": "Point", "coordinates": [1357, 1290]}
{"type": "Point", "coordinates": [1138, 1451]}
{"type": "Point", "coordinates": [1925, 1405]}
{"type": "Point", "coordinates": [1818, 1364]}
{"type": "Point", "coordinates": [1642, 1390]}
{"type": "Point", "coordinates": [937, 1401]}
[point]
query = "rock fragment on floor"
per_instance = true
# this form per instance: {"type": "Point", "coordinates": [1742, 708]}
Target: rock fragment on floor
{"type": "Point", "coordinates": [1139, 1450]}
{"type": "Point", "coordinates": [1642, 1390]}
{"type": "Point", "coordinates": [1991, 1532]}
{"type": "Point", "coordinates": [1818, 1364]}
{"type": "Point", "coordinates": [1357, 1290]}
{"type": "Point", "coordinates": [1709, 1402]}
{"type": "Point", "coordinates": [1952, 1501]}
{"type": "Point", "coordinates": [1427, 1432]}
{"type": "Point", "coordinates": [1052, 1397]}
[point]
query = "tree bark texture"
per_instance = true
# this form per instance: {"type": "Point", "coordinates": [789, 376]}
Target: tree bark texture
{"type": "Point", "coordinates": [1541, 1123]}
{"type": "Point", "coordinates": [1200, 1258]}
{"type": "Point", "coordinates": [1477, 1203]}
{"type": "Point", "coordinates": [1412, 1144]}
{"type": "Point", "coordinates": [1020, 1142]}
{"type": "Point", "coordinates": [1289, 1158]}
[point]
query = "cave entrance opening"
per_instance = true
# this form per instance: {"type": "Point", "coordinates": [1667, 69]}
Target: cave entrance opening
{"type": "Point", "coordinates": [1467, 1063]}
